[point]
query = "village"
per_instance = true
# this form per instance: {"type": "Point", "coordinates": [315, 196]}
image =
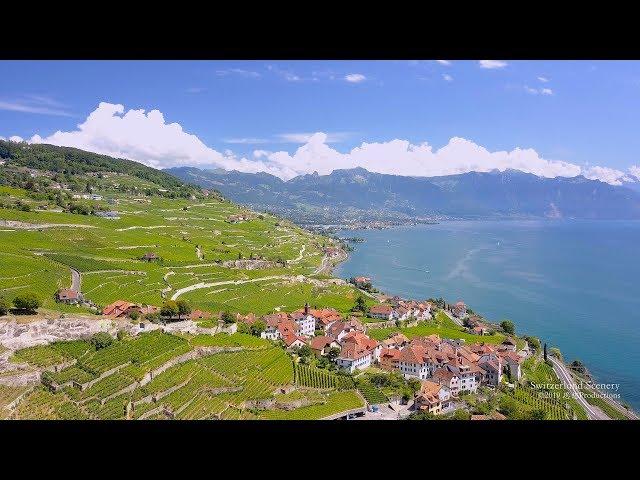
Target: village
{"type": "Point", "coordinates": [446, 368]}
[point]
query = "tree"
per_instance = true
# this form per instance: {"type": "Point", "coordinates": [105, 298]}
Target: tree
{"type": "Point", "coordinates": [545, 351]}
{"type": "Point", "coordinates": [508, 327]}
{"type": "Point", "coordinates": [121, 335]}
{"type": "Point", "coordinates": [555, 352]}
{"type": "Point", "coordinates": [257, 328]}
{"type": "Point", "coordinates": [227, 318]}
{"type": "Point", "coordinates": [305, 351]}
{"type": "Point", "coordinates": [333, 353]}
{"type": "Point", "coordinates": [533, 342]}
{"type": "Point", "coordinates": [27, 303]}
{"type": "Point", "coordinates": [4, 306]}
{"type": "Point", "coordinates": [101, 340]}
{"type": "Point", "coordinates": [360, 305]}
{"type": "Point", "coordinates": [134, 315]}
{"type": "Point", "coordinates": [183, 308]}
{"type": "Point", "coordinates": [169, 309]}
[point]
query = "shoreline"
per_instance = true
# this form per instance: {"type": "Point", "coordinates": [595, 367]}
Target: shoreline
{"type": "Point", "coordinates": [621, 404]}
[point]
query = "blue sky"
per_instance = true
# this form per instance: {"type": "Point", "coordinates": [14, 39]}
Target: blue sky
{"type": "Point", "coordinates": [255, 115]}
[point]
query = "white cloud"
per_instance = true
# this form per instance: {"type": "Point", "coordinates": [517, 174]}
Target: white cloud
{"type": "Point", "coordinates": [239, 72]}
{"type": "Point", "coordinates": [247, 140]}
{"type": "Point", "coordinates": [288, 75]}
{"type": "Point", "coordinates": [355, 78]}
{"type": "Point", "coordinates": [492, 64]}
{"type": "Point", "coordinates": [148, 138]}
{"type": "Point", "coordinates": [447, 77]}
{"type": "Point", "coordinates": [543, 79]}
{"type": "Point", "coordinates": [606, 174]}
{"type": "Point", "coordinates": [331, 137]}
{"type": "Point", "coordinates": [444, 62]}
{"type": "Point", "coordinates": [635, 171]}
{"type": "Point", "coordinates": [536, 91]}
{"type": "Point", "coordinates": [16, 138]}
{"type": "Point", "coordinates": [38, 104]}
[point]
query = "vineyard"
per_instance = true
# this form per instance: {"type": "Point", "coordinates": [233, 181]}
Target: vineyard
{"type": "Point", "coordinates": [335, 403]}
{"type": "Point", "coordinates": [317, 378]}
{"type": "Point", "coordinates": [370, 392]}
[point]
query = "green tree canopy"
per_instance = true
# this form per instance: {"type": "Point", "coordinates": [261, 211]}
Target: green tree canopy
{"type": "Point", "coordinates": [4, 306]}
{"type": "Point", "coordinates": [183, 308]}
{"type": "Point", "coordinates": [27, 302]}
{"type": "Point", "coordinates": [101, 340]}
{"type": "Point", "coordinates": [227, 317]}
{"type": "Point", "coordinates": [508, 327]}
{"type": "Point", "coordinates": [169, 309]}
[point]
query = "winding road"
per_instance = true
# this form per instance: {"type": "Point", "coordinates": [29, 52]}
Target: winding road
{"type": "Point", "coordinates": [565, 377]}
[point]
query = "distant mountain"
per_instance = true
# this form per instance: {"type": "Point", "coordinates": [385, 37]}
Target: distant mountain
{"type": "Point", "coordinates": [358, 193]}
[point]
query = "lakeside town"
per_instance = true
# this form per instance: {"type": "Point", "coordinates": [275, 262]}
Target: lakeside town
{"type": "Point", "coordinates": [447, 377]}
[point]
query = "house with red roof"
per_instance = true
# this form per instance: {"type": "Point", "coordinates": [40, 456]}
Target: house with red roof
{"type": "Point", "coordinates": [416, 361]}
{"type": "Point", "coordinates": [389, 358]}
{"type": "Point", "coordinates": [68, 296]}
{"type": "Point", "coordinates": [119, 308]}
{"type": "Point", "coordinates": [382, 311]}
{"type": "Point", "coordinates": [432, 397]}
{"type": "Point", "coordinates": [321, 344]}
{"type": "Point", "coordinates": [447, 378]}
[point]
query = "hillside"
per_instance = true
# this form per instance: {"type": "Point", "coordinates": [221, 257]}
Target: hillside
{"type": "Point", "coordinates": [210, 252]}
{"type": "Point", "coordinates": [67, 163]}
{"type": "Point", "coordinates": [345, 195]}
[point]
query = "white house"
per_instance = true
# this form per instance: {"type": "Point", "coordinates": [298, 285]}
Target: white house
{"type": "Point", "coordinates": [415, 362]}
{"type": "Point", "coordinates": [306, 322]}
{"type": "Point", "coordinates": [353, 356]}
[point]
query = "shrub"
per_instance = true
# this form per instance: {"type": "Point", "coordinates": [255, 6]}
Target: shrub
{"type": "Point", "coordinates": [4, 306]}
{"type": "Point", "coordinates": [101, 340]}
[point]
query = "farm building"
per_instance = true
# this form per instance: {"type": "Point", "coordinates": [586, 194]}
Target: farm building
{"type": "Point", "coordinates": [69, 296]}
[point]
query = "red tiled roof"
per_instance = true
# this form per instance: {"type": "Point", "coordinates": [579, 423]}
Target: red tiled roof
{"type": "Point", "coordinates": [380, 309]}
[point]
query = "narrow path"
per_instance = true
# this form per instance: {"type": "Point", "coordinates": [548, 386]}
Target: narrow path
{"type": "Point", "coordinates": [565, 377]}
{"type": "Point", "coordinates": [201, 285]}
{"type": "Point", "coordinates": [76, 280]}
{"type": "Point", "coordinates": [299, 257]}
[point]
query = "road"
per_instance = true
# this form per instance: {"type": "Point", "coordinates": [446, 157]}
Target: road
{"type": "Point", "coordinates": [565, 377]}
{"type": "Point", "coordinates": [76, 280]}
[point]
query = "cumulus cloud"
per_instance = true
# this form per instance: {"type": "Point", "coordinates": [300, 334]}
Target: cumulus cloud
{"type": "Point", "coordinates": [492, 64]}
{"type": "Point", "coordinates": [355, 78]}
{"type": "Point", "coordinates": [635, 171]}
{"type": "Point", "coordinates": [447, 77]}
{"type": "Point", "coordinates": [146, 137]}
{"type": "Point", "coordinates": [444, 62]}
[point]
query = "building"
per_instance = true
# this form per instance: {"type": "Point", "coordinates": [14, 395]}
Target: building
{"type": "Point", "coordinates": [447, 378]}
{"type": "Point", "coordinates": [381, 311]}
{"type": "Point", "coordinates": [361, 281]}
{"type": "Point", "coordinates": [272, 321]}
{"type": "Point", "coordinates": [389, 358]}
{"type": "Point", "coordinates": [199, 315]}
{"type": "Point", "coordinates": [291, 340]}
{"type": "Point", "coordinates": [459, 309]}
{"type": "Point", "coordinates": [305, 321]}
{"type": "Point", "coordinates": [433, 398]}
{"type": "Point", "coordinates": [68, 296]}
{"type": "Point", "coordinates": [111, 214]}
{"type": "Point", "coordinates": [492, 366]}
{"type": "Point", "coordinates": [353, 356]}
{"type": "Point", "coordinates": [397, 341]}
{"type": "Point", "coordinates": [508, 344]}
{"type": "Point", "coordinates": [119, 308]}
{"type": "Point", "coordinates": [415, 361]}
{"type": "Point", "coordinates": [324, 317]}
{"type": "Point", "coordinates": [322, 344]}
{"type": "Point", "coordinates": [364, 341]}
{"type": "Point", "coordinates": [150, 257]}
{"type": "Point", "coordinates": [513, 364]}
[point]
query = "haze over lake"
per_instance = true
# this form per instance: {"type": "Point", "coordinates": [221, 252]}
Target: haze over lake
{"type": "Point", "coordinates": [572, 283]}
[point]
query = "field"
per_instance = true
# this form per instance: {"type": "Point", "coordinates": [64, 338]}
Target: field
{"type": "Point", "coordinates": [199, 252]}
{"type": "Point", "coordinates": [441, 325]}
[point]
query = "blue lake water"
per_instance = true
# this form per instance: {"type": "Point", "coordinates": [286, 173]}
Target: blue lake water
{"type": "Point", "coordinates": [574, 284]}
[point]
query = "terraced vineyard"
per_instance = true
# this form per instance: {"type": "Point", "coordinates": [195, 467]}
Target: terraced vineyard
{"type": "Point", "coordinates": [370, 392]}
{"type": "Point", "coordinates": [115, 382]}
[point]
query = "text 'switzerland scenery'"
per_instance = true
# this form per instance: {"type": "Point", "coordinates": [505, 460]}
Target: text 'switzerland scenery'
{"type": "Point", "coordinates": [319, 240]}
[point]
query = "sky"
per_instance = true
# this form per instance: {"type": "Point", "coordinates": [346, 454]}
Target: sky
{"type": "Point", "coordinates": [405, 117]}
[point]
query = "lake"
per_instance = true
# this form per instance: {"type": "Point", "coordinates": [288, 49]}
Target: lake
{"type": "Point", "coordinates": [574, 284]}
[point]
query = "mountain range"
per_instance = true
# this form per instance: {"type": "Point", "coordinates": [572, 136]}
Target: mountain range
{"type": "Point", "coordinates": [360, 195]}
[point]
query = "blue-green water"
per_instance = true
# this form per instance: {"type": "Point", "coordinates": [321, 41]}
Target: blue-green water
{"type": "Point", "coordinates": [572, 283]}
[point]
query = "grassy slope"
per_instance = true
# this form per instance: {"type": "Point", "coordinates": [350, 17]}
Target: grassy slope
{"type": "Point", "coordinates": [107, 253]}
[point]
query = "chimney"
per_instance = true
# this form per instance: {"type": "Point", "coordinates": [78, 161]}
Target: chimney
{"type": "Point", "coordinates": [306, 308]}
